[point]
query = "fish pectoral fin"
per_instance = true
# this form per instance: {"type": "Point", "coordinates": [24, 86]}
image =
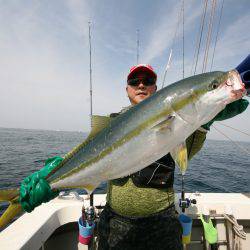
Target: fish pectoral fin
{"type": "Point", "coordinates": [179, 154]}
{"type": "Point", "coordinates": [165, 124]}
{"type": "Point", "coordinates": [14, 207]}
{"type": "Point", "coordinates": [90, 188]}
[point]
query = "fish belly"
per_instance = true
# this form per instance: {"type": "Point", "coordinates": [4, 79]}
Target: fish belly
{"type": "Point", "coordinates": [137, 153]}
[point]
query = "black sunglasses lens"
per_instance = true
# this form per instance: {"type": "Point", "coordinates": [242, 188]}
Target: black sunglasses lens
{"type": "Point", "coordinates": [149, 81]}
{"type": "Point", "coordinates": [146, 81]}
{"type": "Point", "coordinates": [134, 82]}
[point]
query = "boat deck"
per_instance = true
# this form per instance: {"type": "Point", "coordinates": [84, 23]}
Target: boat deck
{"type": "Point", "coordinates": [55, 223]}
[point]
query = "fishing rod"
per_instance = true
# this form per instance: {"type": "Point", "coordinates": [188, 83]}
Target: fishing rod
{"type": "Point", "coordinates": [90, 93]}
{"type": "Point", "coordinates": [90, 74]}
{"type": "Point", "coordinates": [180, 156]}
{"type": "Point", "coordinates": [137, 46]}
{"type": "Point", "coordinates": [86, 222]}
{"type": "Point", "coordinates": [172, 45]}
{"type": "Point", "coordinates": [184, 202]}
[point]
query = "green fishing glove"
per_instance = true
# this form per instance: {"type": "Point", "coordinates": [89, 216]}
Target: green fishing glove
{"type": "Point", "coordinates": [35, 189]}
{"type": "Point", "coordinates": [231, 110]}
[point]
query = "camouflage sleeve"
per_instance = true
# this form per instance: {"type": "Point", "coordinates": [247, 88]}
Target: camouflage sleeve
{"type": "Point", "coordinates": [195, 142]}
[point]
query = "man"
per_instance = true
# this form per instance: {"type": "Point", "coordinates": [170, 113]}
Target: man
{"type": "Point", "coordinates": [141, 83]}
{"type": "Point", "coordinates": [140, 212]}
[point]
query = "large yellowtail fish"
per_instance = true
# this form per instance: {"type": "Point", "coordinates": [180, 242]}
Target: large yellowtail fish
{"type": "Point", "coordinates": [142, 135]}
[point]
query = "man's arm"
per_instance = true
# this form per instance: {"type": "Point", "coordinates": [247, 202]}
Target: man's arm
{"type": "Point", "coordinates": [35, 189]}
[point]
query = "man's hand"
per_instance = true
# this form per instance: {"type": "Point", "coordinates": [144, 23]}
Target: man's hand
{"type": "Point", "coordinates": [35, 189]}
{"type": "Point", "coordinates": [231, 110]}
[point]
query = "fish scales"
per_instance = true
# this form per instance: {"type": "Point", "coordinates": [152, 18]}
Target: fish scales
{"type": "Point", "coordinates": [137, 124]}
{"type": "Point", "coordinates": [124, 127]}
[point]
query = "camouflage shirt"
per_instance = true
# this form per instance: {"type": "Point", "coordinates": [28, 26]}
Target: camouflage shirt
{"type": "Point", "coordinates": [129, 200]}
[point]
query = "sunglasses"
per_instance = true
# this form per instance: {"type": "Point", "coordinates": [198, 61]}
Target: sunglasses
{"type": "Point", "coordinates": [146, 81]}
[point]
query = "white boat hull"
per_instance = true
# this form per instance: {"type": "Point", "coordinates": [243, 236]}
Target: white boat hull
{"type": "Point", "coordinates": [53, 225]}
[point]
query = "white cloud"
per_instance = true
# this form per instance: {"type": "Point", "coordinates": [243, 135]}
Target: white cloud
{"type": "Point", "coordinates": [79, 13]}
{"type": "Point", "coordinates": [233, 42]}
{"type": "Point", "coordinates": [40, 79]}
{"type": "Point", "coordinates": [44, 76]}
{"type": "Point", "coordinates": [162, 34]}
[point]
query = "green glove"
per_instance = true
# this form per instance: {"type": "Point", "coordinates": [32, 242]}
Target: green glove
{"type": "Point", "coordinates": [231, 110]}
{"type": "Point", "coordinates": [35, 189]}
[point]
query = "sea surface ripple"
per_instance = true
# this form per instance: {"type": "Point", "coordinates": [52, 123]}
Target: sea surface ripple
{"type": "Point", "coordinates": [219, 167]}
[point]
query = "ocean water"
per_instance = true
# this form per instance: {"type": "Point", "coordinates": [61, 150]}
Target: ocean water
{"type": "Point", "coordinates": [219, 167]}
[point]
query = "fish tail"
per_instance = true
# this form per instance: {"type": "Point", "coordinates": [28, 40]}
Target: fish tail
{"type": "Point", "coordinates": [14, 208]}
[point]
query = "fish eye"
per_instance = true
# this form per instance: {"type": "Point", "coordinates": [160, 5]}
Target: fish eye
{"type": "Point", "coordinates": [214, 85]}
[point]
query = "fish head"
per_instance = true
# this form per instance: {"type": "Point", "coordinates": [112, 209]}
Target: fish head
{"type": "Point", "coordinates": [220, 89]}
{"type": "Point", "coordinates": [231, 88]}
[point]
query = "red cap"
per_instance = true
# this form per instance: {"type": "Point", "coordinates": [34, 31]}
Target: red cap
{"type": "Point", "coordinates": [142, 68]}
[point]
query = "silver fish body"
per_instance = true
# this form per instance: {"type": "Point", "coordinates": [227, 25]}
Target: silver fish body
{"type": "Point", "coordinates": [147, 131]}
{"type": "Point", "coordinates": [140, 136]}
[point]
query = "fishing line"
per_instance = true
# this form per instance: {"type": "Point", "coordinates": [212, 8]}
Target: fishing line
{"type": "Point", "coordinates": [196, 46]}
{"type": "Point", "coordinates": [217, 34]}
{"type": "Point", "coordinates": [209, 36]}
{"type": "Point", "coordinates": [238, 145]}
{"type": "Point", "coordinates": [201, 34]}
{"type": "Point", "coordinates": [158, 165]}
{"type": "Point", "coordinates": [234, 128]}
{"type": "Point", "coordinates": [183, 41]}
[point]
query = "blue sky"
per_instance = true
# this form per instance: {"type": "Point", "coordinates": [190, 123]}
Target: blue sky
{"type": "Point", "coordinates": [44, 76]}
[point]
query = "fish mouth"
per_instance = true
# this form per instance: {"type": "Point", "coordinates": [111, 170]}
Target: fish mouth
{"type": "Point", "coordinates": [234, 86]}
{"type": "Point", "coordinates": [238, 94]}
{"type": "Point", "coordinates": [234, 79]}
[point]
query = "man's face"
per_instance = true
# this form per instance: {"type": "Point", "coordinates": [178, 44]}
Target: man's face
{"type": "Point", "coordinates": [138, 93]}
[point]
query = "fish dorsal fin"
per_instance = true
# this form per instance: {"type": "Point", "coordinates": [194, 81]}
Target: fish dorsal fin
{"type": "Point", "coordinates": [179, 154]}
{"type": "Point", "coordinates": [98, 123]}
